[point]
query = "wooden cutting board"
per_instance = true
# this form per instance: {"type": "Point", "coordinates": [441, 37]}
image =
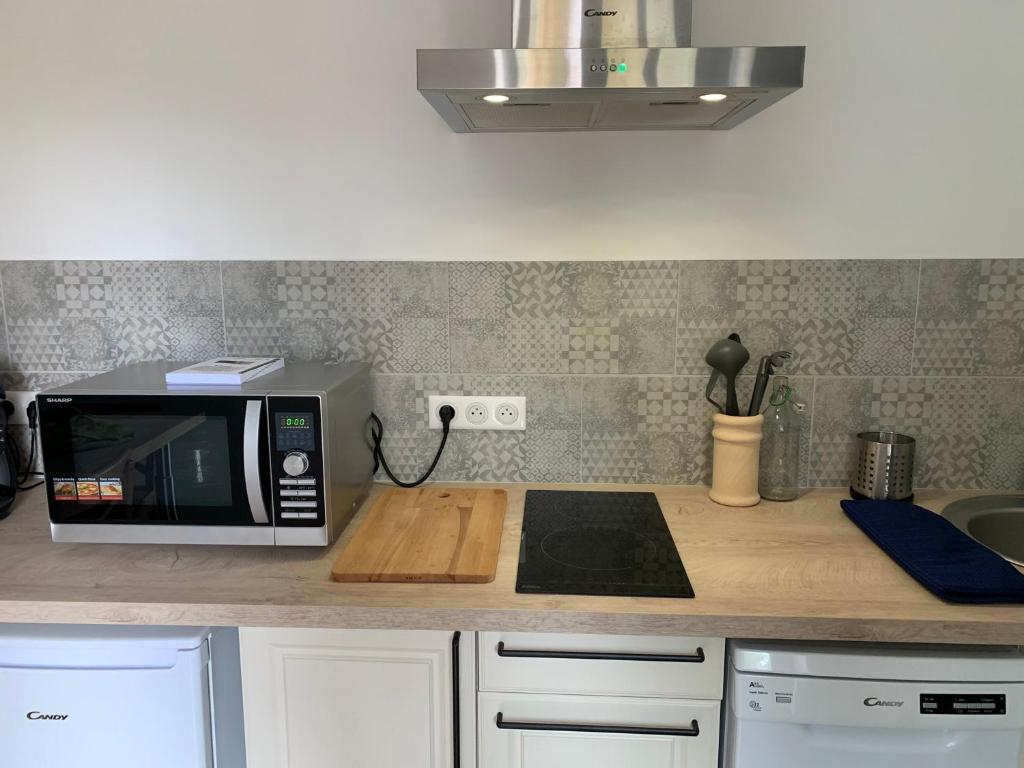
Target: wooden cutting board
{"type": "Point", "coordinates": [427, 534]}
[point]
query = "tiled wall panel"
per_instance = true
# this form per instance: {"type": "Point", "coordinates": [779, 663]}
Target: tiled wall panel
{"type": "Point", "coordinates": [609, 355]}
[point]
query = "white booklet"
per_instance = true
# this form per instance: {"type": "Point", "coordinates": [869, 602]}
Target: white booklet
{"type": "Point", "coordinates": [225, 370]}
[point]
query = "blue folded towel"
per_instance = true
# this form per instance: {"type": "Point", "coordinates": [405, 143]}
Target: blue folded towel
{"type": "Point", "coordinates": [942, 558]}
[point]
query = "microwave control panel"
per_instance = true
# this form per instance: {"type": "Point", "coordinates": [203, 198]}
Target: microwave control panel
{"type": "Point", "coordinates": [296, 461]}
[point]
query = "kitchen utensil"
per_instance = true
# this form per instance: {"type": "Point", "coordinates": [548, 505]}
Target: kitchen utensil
{"type": "Point", "coordinates": [735, 460]}
{"type": "Point", "coordinates": [728, 357]}
{"type": "Point", "coordinates": [713, 381]}
{"type": "Point", "coordinates": [764, 371]}
{"type": "Point", "coordinates": [885, 466]}
{"type": "Point", "coordinates": [433, 533]}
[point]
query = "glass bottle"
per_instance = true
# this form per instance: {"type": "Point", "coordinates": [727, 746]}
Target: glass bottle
{"type": "Point", "coordinates": [779, 478]}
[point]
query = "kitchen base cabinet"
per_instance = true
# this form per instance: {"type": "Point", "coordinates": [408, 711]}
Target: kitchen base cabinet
{"type": "Point", "coordinates": [549, 731]}
{"type": "Point", "coordinates": [319, 698]}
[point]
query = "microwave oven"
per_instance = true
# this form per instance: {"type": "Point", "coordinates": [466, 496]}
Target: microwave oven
{"type": "Point", "coordinates": [283, 459]}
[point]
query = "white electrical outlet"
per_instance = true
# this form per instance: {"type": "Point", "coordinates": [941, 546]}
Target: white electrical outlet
{"type": "Point", "coordinates": [20, 400]}
{"type": "Point", "coordinates": [479, 412]}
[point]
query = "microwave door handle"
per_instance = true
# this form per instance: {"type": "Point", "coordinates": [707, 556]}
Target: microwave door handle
{"type": "Point", "coordinates": [251, 460]}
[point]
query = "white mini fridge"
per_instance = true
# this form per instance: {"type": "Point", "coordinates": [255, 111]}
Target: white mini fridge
{"type": "Point", "coordinates": [107, 697]}
{"type": "Point", "coordinates": [847, 705]}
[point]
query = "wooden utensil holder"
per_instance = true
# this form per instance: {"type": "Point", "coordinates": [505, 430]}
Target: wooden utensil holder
{"type": "Point", "coordinates": [735, 462]}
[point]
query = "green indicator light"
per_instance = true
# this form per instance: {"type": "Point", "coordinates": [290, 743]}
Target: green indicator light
{"type": "Point", "coordinates": [622, 67]}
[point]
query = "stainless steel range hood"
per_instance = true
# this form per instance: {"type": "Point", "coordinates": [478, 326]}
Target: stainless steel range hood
{"type": "Point", "coordinates": [604, 65]}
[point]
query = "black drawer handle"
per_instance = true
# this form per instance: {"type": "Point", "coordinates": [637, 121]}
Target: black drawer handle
{"type": "Point", "coordinates": [687, 658]}
{"type": "Point", "coordinates": [456, 705]}
{"type": "Point", "coordinates": [630, 730]}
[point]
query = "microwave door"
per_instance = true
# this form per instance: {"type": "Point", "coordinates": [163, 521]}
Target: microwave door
{"type": "Point", "coordinates": [153, 458]}
{"type": "Point", "coordinates": [163, 460]}
{"type": "Point", "coordinates": [147, 454]}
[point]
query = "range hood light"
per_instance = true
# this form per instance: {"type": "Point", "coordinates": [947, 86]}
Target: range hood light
{"type": "Point", "coordinates": [499, 98]}
{"type": "Point", "coordinates": [713, 97]}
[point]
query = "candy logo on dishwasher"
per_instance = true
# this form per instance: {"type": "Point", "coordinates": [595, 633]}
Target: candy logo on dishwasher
{"type": "Point", "coordinates": [871, 701]}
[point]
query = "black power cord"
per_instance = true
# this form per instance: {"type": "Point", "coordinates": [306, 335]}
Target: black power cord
{"type": "Point", "coordinates": [10, 455]}
{"type": "Point", "coordinates": [8, 459]}
{"type": "Point", "coordinates": [446, 414]}
{"type": "Point", "coordinates": [33, 424]}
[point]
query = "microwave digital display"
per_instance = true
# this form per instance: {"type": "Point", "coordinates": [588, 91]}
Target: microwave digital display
{"type": "Point", "coordinates": [295, 432]}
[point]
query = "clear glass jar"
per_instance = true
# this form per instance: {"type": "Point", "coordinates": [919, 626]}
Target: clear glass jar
{"type": "Point", "coordinates": [779, 477]}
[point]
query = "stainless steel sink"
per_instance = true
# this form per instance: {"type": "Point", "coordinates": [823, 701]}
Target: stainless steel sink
{"type": "Point", "coordinates": [995, 521]}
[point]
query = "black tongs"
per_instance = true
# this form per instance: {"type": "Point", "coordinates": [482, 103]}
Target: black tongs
{"type": "Point", "coordinates": [764, 371]}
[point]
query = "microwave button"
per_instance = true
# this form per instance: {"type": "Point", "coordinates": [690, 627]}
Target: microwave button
{"type": "Point", "coordinates": [306, 481]}
{"type": "Point", "coordinates": [307, 515]}
{"type": "Point", "coordinates": [291, 515]}
{"type": "Point", "coordinates": [292, 492]}
{"type": "Point", "coordinates": [310, 492]}
{"type": "Point", "coordinates": [295, 463]}
{"type": "Point", "coordinates": [293, 504]}
{"type": "Point", "coordinates": [288, 481]}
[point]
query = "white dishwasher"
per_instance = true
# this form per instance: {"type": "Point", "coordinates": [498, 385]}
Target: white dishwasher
{"type": "Point", "coordinates": [92, 697]}
{"type": "Point", "coordinates": [847, 705]}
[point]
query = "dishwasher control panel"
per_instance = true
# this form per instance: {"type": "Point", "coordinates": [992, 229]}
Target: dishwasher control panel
{"type": "Point", "coordinates": [963, 704]}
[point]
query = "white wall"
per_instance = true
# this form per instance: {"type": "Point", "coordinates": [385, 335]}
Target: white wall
{"type": "Point", "coordinates": [293, 129]}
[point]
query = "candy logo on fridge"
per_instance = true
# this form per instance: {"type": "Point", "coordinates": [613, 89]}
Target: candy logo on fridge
{"type": "Point", "coordinates": [34, 715]}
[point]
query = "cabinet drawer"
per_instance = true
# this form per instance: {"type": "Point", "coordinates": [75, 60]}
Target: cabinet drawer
{"type": "Point", "coordinates": [606, 665]}
{"type": "Point", "coordinates": [522, 730]}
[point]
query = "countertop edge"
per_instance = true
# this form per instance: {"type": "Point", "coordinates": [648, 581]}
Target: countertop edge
{"type": "Point", "coordinates": [898, 630]}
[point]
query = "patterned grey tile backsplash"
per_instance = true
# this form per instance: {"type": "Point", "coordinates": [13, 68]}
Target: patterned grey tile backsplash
{"type": "Point", "coordinates": [564, 317]}
{"type": "Point", "coordinates": [394, 315]}
{"type": "Point", "coordinates": [840, 318]}
{"type": "Point", "coordinates": [970, 430]}
{"type": "Point", "coordinates": [971, 319]}
{"type": "Point", "coordinates": [609, 355]}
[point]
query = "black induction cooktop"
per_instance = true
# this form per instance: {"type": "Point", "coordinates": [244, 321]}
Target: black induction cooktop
{"type": "Point", "coordinates": [598, 543]}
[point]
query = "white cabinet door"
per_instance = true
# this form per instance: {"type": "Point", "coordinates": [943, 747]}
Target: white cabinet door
{"type": "Point", "coordinates": [548, 731]}
{"type": "Point", "coordinates": [319, 698]}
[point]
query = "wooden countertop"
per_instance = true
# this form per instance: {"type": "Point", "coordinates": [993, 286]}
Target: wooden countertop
{"type": "Point", "coordinates": [796, 570]}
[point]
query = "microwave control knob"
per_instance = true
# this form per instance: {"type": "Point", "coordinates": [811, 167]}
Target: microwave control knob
{"type": "Point", "coordinates": [295, 463]}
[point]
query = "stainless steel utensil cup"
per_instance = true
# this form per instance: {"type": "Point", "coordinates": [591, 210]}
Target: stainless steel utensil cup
{"type": "Point", "coordinates": [885, 466]}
